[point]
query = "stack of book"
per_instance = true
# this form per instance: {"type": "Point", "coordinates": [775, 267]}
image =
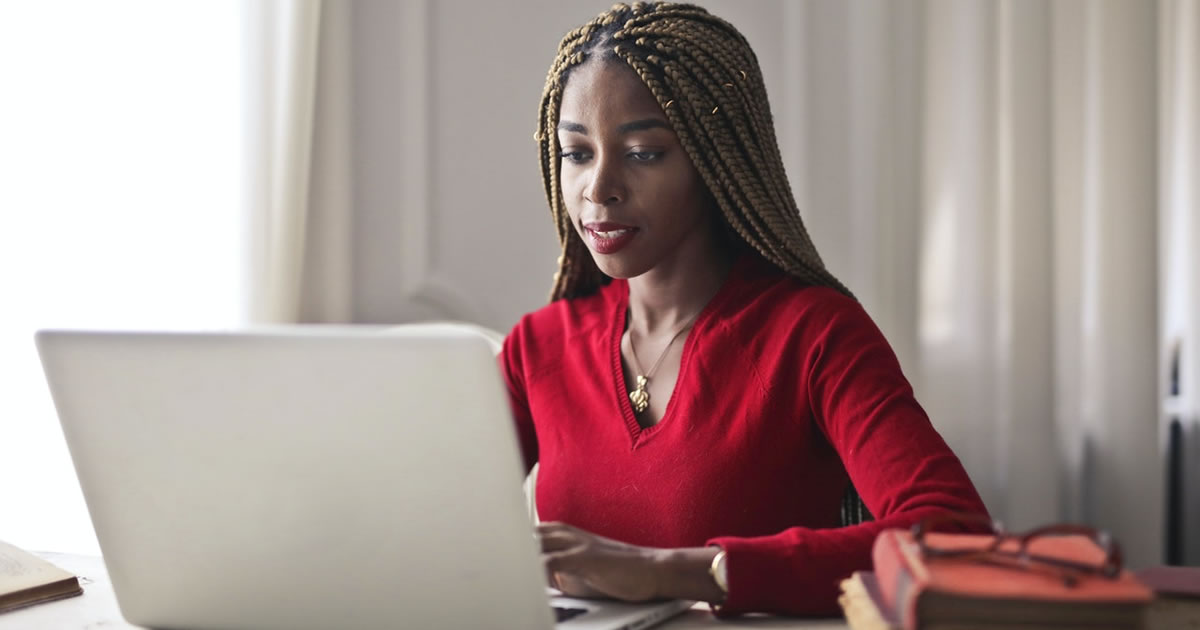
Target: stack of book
{"type": "Point", "coordinates": [912, 590]}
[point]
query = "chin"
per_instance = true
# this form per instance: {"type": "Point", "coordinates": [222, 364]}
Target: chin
{"type": "Point", "coordinates": [620, 266]}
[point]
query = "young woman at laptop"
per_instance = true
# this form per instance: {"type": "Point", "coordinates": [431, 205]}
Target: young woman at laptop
{"type": "Point", "coordinates": [701, 392]}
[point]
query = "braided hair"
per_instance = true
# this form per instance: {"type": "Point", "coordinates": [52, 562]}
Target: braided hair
{"type": "Point", "coordinates": [706, 78]}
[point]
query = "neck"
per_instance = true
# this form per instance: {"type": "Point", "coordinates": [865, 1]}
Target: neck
{"type": "Point", "coordinates": [672, 293]}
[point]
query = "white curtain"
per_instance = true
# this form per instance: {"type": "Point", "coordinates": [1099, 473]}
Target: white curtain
{"type": "Point", "coordinates": [1179, 253]}
{"type": "Point", "coordinates": [298, 171]}
{"type": "Point", "coordinates": [986, 175]}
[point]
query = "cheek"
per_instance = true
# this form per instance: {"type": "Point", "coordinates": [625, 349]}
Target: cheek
{"type": "Point", "coordinates": [686, 211]}
{"type": "Point", "coordinates": [684, 197]}
{"type": "Point", "coordinates": [569, 189]}
{"type": "Point", "coordinates": [572, 181]}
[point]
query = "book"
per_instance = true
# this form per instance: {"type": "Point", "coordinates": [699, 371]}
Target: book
{"type": "Point", "coordinates": [26, 579]}
{"type": "Point", "coordinates": [863, 605]}
{"type": "Point", "coordinates": [971, 592]}
{"type": "Point", "coordinates": [1176, 596]}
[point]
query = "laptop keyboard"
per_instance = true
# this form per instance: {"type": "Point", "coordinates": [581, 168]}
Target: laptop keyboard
{"type": "Point", "coordinates": [562, 613]}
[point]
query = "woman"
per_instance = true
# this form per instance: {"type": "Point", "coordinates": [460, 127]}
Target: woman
{"type": "Point", "coordinates": [700, 392]}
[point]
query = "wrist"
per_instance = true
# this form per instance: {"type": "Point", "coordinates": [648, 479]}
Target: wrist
{"type": "Point", "coordinates": [686, 574]}
{"type": "Point", "coordinates": [661, 567]}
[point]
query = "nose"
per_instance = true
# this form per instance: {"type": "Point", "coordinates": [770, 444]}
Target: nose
{"type": "Point", "coordinates": [607, 185]}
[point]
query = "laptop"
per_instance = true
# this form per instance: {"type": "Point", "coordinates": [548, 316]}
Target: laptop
{"type": "Point", "coordinates": [308, 477]}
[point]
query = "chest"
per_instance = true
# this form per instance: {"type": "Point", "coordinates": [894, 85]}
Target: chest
{"type": "Point", "coordinates": [719, 434]}
{"type": "Point", "coordinates": [722, 438]}
{"type": "Point", "coordinates": [708, 390]}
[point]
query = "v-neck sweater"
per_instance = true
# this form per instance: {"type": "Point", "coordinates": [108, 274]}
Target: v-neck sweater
{"type": "Point", "coordinates": [785, 393]}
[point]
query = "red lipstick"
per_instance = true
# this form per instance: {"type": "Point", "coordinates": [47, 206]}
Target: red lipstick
{"type": "Point", "coordinates": [607, 237]}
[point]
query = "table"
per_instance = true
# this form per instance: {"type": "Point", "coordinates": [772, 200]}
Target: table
{"type": "Point", "coordinates": [97, 608]}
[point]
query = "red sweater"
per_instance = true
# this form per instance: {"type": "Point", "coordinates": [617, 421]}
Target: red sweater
{"type": "Point", "coordinates": [783, 390]}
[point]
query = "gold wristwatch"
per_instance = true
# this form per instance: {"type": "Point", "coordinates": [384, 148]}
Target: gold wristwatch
{"type": "Point", "coordinates": [718, 572]}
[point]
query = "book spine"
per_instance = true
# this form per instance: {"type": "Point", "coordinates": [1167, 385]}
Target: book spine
{"type": "Point", "coordinates": [896, 582]}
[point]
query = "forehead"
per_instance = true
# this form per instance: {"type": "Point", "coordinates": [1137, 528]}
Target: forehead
{"type": "Point", "coordinates": [606, 94]}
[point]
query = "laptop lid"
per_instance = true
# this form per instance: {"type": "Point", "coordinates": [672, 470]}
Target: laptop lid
{"type": "Point", "coordinates": [313, 477]}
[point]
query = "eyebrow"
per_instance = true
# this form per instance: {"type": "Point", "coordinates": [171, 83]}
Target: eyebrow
{"type": "Point", "coordinates": [636, 125]}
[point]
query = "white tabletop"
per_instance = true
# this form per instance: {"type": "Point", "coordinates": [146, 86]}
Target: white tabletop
{"type": "Point", "coordinates": [97, 607]}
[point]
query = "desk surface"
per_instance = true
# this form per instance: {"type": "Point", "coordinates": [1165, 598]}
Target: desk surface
{"type": "Point", "coordinates": [97, 607]}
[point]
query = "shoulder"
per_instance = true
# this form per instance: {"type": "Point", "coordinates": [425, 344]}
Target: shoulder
{"type": "Point", "coordinates": [771, 301]}
{"type": "Point", "coordinates": [787, 330]}
{"type": "Point", "coordinates": [540, 336]}
{"type": "Point", "coordinates": [566, 317]}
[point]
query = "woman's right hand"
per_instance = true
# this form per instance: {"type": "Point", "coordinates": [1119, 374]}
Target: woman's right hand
{"type": "Point", "coordinates": [583, 564]}
{"type": "Point", "coordinates": [572, 586]}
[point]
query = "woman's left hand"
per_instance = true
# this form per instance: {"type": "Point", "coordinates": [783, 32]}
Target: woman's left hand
{"type": "Point", "coordinates": [582, 564]}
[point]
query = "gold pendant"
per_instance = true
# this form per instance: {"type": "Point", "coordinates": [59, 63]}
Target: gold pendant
{"type": "Point", "coordinates": [639, 396]}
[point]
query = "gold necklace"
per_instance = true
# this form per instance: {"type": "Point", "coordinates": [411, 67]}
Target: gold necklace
{"type": "Point", "coordinates": [639, 396]}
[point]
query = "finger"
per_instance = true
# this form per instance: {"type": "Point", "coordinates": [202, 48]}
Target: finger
{"type": "Point", "coordinates": [566, 561]}
{"type": "Point", "coordinates": [565, 571]}
{"type": "Point", "coordinates": [555, 578]}
{"type": "Point", "coordinates": [558, 541]}
{"type": "Point", "coordinates": [576, 586]}
{"type": "Point", "coordinates": [554, 526]}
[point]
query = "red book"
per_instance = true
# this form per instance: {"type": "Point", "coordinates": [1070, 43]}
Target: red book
{"type": "Point", "coordinates": [928, 592]}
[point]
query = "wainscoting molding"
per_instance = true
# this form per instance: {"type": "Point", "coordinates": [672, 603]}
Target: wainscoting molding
{"type": "Point", "coordinates": [394, 117]}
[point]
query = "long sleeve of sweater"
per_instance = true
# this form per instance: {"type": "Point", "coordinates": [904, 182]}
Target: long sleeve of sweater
{"type": "Point", "coordinates": [901, 467]}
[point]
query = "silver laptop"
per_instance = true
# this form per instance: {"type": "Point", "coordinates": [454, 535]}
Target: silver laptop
{"type": "Point", "coordinates": [307, 477]}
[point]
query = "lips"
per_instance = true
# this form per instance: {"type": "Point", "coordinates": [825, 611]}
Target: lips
{"type": "Point", "coordinates": [607, 237]}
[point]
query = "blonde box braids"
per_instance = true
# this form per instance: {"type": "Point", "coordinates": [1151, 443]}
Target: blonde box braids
{"type": "Point", "coordinates": [706, 78]}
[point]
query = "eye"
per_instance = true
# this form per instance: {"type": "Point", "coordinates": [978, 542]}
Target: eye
{"type": "Point", "coordinates": [576, 157]}
{"type": "Point", "coordinates": [644, 156]}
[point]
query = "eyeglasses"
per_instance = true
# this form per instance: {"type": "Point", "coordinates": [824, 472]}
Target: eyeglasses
{"type": "Point", "coordinates": [1014, 550]}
